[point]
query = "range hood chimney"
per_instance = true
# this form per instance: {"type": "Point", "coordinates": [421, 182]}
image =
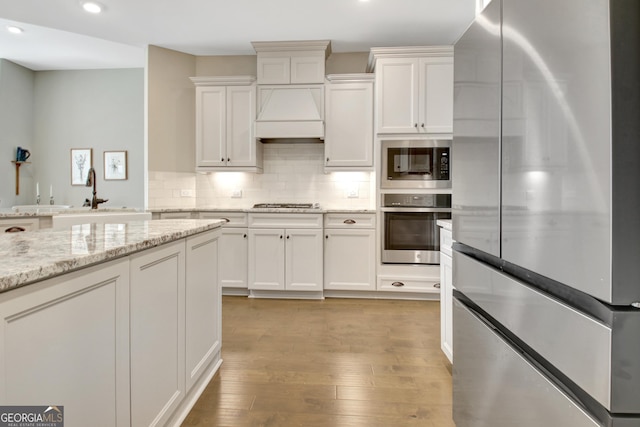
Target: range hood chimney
{"type": "Point", "coordinates": [291, 90]}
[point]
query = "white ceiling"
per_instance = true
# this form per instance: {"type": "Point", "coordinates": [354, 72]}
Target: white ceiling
{"type": "Point", "coordinates": [60, 35]}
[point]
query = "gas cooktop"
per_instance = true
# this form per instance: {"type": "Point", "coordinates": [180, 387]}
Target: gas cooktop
{"type": "Point", "coordinates": [286, 205]}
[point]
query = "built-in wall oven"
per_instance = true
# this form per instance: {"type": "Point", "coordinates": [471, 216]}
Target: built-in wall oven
{"type": "Point", "coordinates": [422, 163]}
{"type": "Point", "coordinates": [410, 234]}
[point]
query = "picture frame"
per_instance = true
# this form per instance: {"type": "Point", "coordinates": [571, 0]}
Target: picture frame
{"type": "Point", "coordinates": [115, 165]}
{"type": "Point", "coordinates": [81, 162]}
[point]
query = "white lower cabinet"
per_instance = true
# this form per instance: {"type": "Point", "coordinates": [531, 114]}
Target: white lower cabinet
{"type": "Point", "coordinates": [157, 334]}
{"type": "Point", "coordinates": [130, 342]}
{"type": "Point", "coordinates": [349, 252]}
{"type": "Point", "coordinates": [285, 258]}
{"type": "Point", "coordinates": [65, 341]}
{"type": "Point", "coordinates": [203, 325]}
{"type": "Point", "coordinates": [446, 293]}
{"type": "Point", "coordinates": [233, 256]}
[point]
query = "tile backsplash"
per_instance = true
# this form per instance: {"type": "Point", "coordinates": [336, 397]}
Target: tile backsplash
{"type": "Point", "coordinates": [293, 173]}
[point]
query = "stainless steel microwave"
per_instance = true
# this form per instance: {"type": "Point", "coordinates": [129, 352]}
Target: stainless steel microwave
{"type": "Point", "coordinates": [424, 163]}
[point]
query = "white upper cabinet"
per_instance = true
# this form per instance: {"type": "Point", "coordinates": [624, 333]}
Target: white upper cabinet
{"type": "Point", "coordinates": [295, 62]}
{"type": "Point", "coordinates": [414, 90]}
{"type": "Point", "coordinates": [225, 112]}
{"type": "Point", "coordinates": [349, 122]}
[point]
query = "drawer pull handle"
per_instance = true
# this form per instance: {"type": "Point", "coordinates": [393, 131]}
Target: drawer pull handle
{"type": "Point", "coordinates": [226, 219]}
{"type": "Point", "coordinates": [349, 221]}
{"type": "Point", "coordinates": [397, 284]}
{"type": "Point", "coordinates": [14, 229]}
{"type": "Point", "coordinates": [436, 285]}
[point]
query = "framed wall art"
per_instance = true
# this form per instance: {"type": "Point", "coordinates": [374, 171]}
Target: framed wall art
{"type": "Point", "coordinates": [115, 165]}
{"type": "Point", "coordinates": [81, 162]}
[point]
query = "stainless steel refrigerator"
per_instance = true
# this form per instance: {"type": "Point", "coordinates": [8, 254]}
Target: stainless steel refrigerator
{"type": "Point", "coordinates": [546, 215]}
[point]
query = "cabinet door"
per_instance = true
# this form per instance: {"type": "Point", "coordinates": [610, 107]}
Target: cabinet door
{"type": "Point", "coordinates": [266, 259]}
{"type": "Point", "coordinates": [157, 334]}
{"type": "Point", "coordinates": [436, 95]}
{"type": "Point", "coordinates": [397, 95]}
{"type": "Point", "coordinates": [307, 68]}
{"type": "Point", "coordinates": [233, 258]}
{"type": "Point", "coordinates": [274, 70]}
{"type": "Point", "coordinates": [210, 126]}
{"type": "Point", "coordinates": [349, 260]}
{"type": "Point", "coordinates": [83, 315]}
{"type": "Point", "coordinates": [241, 113]}
{"type": "Point", "coordinates": [446, 309]}
{"type": "Point", "coordinates": [349, 125]}
{"type": "Point", "coordinates": [303, 265]}
{"type": "Point", "coordinates": [203, 295]}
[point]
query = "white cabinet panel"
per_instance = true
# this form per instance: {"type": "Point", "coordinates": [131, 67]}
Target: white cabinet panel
{"type": "Point", "coordinates": [157, 333]}
{"type": "Point", "coordinates": [225, 115]}
{"type": "Point", "coordinates": [349, 123]}
{"type": "Point", "coordinates": [414, 91]}
{"type": "Point", "coordinates": [303, 250]}
{"type": "Point", "coordinates": [446, 305]}
{"type": "Point", "coordinates": [202, 301]}
{"type": "Point", "coordinates": [266, 259]}
{"type": "Point", "coordinates": [66, 341]}
{"type": "Point", "coordinates": [349, 259]}
{"type": "Point", "coordinates": [233, 258]}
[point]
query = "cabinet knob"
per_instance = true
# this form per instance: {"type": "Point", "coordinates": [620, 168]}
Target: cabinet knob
{"type": "Point", "coordinates": [288, 237]}
{"type": "Point", "coordinates": [349, 221]}
{"type": "Point", "coordinates": [222, 159]}
{"type": "Point", "coordinates": [422, 125]}
{"type": "Point", "coordinates": [326, 237]}
{"type": "Point", "coordinates": [436, 285]}
{"type": "Point", "coordinates": [415, 125]}
{"type": "Point", "coordinates": [228, 159]}
{"type": "Point", "coordinates": [327, 160]}
{"type": "Point", "coordinates": [281, 236]}
{"type": "Point", "coordinates": [244, 236]}
{"type": "Point", "coordinates": [397, 284]}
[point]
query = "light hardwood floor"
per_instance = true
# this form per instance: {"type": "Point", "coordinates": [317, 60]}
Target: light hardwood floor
{"type": "Point", "coordinates": [331, 363]}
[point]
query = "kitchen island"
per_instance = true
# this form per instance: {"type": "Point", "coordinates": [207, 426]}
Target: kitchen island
{"type": "Point", "coordinates": [118, 323]}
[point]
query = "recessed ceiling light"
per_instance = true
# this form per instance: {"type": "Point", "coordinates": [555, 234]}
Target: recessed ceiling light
{"type": "Point", "coordinates": [15, 30]}
{"type": "Point", "coordinates": [92, 7]}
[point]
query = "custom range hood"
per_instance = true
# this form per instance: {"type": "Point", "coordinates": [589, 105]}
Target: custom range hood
{"type": "Point", "coordinates": [291, 90]}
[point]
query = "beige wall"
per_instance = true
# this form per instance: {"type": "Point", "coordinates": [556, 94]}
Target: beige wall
{"type": "Point", "coordinates": [347, 63]}
{"type": "Point", "coordinates": [171, 110]}
{"type": "Point", "coordinates": [244, 65]}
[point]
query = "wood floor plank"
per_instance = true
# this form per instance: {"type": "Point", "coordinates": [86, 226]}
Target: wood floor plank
{"type": "Point", "coordinates": [331, 363]}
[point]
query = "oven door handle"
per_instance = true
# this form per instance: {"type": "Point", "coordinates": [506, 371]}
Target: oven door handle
{"type": "Point", "coordinates": [408, 210]}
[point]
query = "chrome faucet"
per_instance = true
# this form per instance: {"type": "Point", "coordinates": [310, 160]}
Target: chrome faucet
{"type": "Point", "coordinates": [91, 181]}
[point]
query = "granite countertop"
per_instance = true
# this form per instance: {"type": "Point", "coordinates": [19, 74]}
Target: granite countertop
{"type": "Point", "coordinates": [445, 223]}
{"type": "Point", "coordinates": [45, 211]}
{"type": "Point", "coordinates": [32, 256]}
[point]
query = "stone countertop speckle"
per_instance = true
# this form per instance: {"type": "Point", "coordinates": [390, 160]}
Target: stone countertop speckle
{"type": "Point", "coordinates": [32, 256]}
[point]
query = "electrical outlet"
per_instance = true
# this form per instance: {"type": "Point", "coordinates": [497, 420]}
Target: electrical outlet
{"type": "Point", "coordinates": [236, 194]}
{"type": "Point", "coordinates": [352, 193]}
{"type": "Point", "coordinates": [186, 193]}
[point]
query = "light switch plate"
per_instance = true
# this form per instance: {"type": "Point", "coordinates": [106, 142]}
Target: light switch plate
{"type": "Point", "coordinates": [236, 194]}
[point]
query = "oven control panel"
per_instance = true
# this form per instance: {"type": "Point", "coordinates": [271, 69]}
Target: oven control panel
{"type": "Point", "coordinates": [416, 200]}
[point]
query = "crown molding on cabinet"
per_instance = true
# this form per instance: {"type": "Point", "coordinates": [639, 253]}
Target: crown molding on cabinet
{"type": "Point", "coordinates": [305, 45]}
{"type": "Point", "coordinates": [223, 80]}
{"type": "Point", "coordinates": [406, 51]}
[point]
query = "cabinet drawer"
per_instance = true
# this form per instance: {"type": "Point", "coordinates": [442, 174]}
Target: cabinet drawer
{"type": "Point", "coordinates": [28, 224]}
{"type": "Point", "coordinates": [350, 220]}
{"type": "Point", "coordinates": [446, 241]}
{"type": "Point", "coordinates": [284, 220]}
{"type": "Point", "coordinates": [175, 215]}
{"type": "Point", "coordinates": [236, 219]}
{"type": "Point", "coordinates": [408, 284]}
